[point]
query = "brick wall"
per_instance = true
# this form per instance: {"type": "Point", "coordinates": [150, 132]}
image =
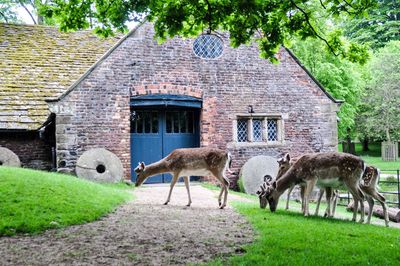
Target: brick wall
{"type": "Point", "coordinates": [32, 151]}
{"type": "Point", "coordinates": [96, 113]}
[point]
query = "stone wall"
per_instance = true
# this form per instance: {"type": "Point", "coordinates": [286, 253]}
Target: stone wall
{"type": "Point", "coordinates": [96, 113]}
{"type": "Point", "coordinates": [31, 150]}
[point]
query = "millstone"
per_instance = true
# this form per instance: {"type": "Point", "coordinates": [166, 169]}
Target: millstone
{"type": "Point", "coordinates": [254, 170]}
{"type": "Point", "coordinates": [9, 158]}
{"type": "Point", "coordinates": [100, 165]}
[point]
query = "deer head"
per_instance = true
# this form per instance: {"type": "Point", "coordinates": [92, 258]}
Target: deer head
{"type": "Point", "coordinates": [272, 196]}
{"type": "Point", "coordinates": [265, 190]}
{"type": "Point", "coordinates": [140, 174]}
{"type": "Point", "coordinates": [284, 165]}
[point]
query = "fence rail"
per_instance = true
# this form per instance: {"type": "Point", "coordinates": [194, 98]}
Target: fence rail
{"type": "Point", "coordinates": [389, 179]}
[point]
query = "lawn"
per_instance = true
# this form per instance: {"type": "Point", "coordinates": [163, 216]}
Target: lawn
{"type": "Point", "coordinates": [288, 238]}
{"type": "Point", "coordinates": [373, 157]}
{"type": "Point", "coordinates": [32, 201]}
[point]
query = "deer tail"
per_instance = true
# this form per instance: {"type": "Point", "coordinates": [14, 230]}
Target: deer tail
{"type": "Point", "coordinates": [229, 163]}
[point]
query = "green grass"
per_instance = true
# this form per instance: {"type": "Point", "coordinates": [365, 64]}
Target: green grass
{"type": "Point", "coordinates": [373, 157]}
{"type": "Point", "coordinates": [288, 238]}
{"type": "Point", "coordinates": [32, 201]}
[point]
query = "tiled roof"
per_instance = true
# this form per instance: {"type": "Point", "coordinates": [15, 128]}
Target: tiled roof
{"type": "Point", "coordinates": [39, 62]}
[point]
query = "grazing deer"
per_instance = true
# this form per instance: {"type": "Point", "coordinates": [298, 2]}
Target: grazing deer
{"type": "Point", "coordinates": [331, 195]}
{"type": "Point", "coordinates": [329, 169]}
{"type": "Point", "coordinates": [190, 162]}
{"type": "Point", "coordinates": [368, 185]}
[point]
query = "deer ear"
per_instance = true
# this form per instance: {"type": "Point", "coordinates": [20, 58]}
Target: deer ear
{"type": "Point", "coordinates": [142, 165]}
{"type": "Point", "coordinates": [287, 157]}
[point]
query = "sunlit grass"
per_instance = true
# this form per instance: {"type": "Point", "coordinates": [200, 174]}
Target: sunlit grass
{"type": "Point", "coordinates": [288, 238]}
{"type": "Point", "coordinates": [32, 201]}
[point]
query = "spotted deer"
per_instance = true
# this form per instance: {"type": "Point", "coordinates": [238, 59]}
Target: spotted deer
{"type": "Point", "coordinates": [190, 162]}
{"type": "Point", "coordinates": [330, 169]}
{"type": "Point", "coordinates": [331, 195]}
{"type": "Point", "coordinates": [369, 185]}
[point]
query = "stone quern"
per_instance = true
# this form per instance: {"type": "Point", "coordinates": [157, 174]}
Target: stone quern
{"type": "Point", "coordinates": [254, 170]}
{"type": "Point", "coordinates": [9, 158]}
{"type": "Point", "coordinates": [100, 165]}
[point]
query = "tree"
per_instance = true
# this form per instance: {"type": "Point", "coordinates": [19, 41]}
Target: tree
{"type": "Point", "coordinates": [270, 23]}
{"type": "Point", "coordinates": [381, 26]}
{"type": "Point", "coordinates": [380, 118]}
{"type": "Point", "coordinates": [8, 10]}
{"type": "Point", "coordinates": [341, 78]}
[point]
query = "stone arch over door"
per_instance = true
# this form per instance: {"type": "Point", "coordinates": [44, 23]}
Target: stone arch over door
{"type": "Point", "coordinates": [161, 123]}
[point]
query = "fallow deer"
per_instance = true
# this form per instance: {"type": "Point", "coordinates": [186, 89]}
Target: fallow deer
{"type": "Point", "coordinates": [331, 195]}
{"type": "Point", "coordinates": [369, 185]}
{"type": "Point", "coordinates": [190, 162]}
{"type": "Point", "coordinates": [329, 169]}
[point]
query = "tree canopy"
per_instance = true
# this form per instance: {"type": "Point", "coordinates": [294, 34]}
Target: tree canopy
{"type": "Point", "coordinates": [382, 25]}
{"type": "Point", "coordinates": [270, 23]}
{"type": "Point", "coordinates": [341, 78]}
{"type": "Point", "coordinates": [380, 116]}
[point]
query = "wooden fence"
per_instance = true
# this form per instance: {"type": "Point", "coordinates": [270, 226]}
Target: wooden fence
{"type": "Point", "coordinates": [390, 151]}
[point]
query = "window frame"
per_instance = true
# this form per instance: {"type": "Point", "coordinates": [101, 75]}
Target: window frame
{"type": "Point", "coordinates": [250, 136]}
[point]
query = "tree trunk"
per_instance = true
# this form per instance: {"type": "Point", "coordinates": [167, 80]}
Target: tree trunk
{"type": "Point", "coordinates": [394, 213]}
{"type": "Point", "coordinates": [365, 143]}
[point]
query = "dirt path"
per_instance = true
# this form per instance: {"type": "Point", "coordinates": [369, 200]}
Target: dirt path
{"type": "Point", "coordinates": [141, 232]}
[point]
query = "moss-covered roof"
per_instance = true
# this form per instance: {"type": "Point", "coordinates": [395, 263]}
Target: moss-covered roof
{"type": "Point", "coordinates": [39, 62]}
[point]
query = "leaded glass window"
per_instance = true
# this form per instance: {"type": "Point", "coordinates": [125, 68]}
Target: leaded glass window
{"type": "Point", "coordinates": [242, 130]}
{"type": "Point", "coordinates": [208, 46]}
{"type": "Point", "coordinates": [257, 130]}
{"type": "Point", "coordinates": [272, 129]}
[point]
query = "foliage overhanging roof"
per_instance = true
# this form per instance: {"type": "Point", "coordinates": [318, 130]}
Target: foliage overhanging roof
{"type": "Point", "coordinates": [39, 62]}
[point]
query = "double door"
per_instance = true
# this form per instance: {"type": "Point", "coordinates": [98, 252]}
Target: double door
{"type": "Point", "coordinates": [157, 132]}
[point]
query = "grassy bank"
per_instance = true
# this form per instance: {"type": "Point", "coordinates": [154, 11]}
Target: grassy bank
{"type": "Point", "coordinates": [32, 201]}
{"type": "Point", "coordinates": [287, 238]}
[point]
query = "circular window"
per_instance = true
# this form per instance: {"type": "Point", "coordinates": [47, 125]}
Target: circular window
{"type": "Point", "coordinates": [208, 46]}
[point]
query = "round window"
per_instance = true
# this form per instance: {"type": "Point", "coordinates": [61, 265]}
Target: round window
{"type": "Point", "coordinates": [208, 46]}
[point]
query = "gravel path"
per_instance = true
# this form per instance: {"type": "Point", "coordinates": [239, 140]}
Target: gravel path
{"type": "Point", "coordinates": [141, 232]}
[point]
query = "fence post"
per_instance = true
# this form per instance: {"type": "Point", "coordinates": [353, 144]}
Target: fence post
{"type": "Point", "coordinates": [398, 188]}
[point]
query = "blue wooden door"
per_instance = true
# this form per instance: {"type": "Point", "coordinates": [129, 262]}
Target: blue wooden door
{"type": "Point", "coordinates": [155, 133]}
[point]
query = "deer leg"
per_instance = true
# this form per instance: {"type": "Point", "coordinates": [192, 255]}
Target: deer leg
{"type": "Point", "coordinates": [226, 186]}
{"type": "Point", "coordinates": [173, 182]}
{"type": "Point", "coordinates": [302, 191]}
{"type": "Point", "coordinates": [321, 193]}
{"type": "Point", "coordinates": [371, 203]}
{"type": "Point", "coordinates": [358, 197]}
{"type": "Point", "coordinates": [288, 196]}
{"type": "Point", "coordinates": [187, 185]}
{"type": "Point", "coordinates": [335, 198]}
{"type": "Point", "coordinates": [328, 202]}
{"type": "Point", "coordinates": [378, 196]}
{"type": "Point", "coordinates": [307, 192]}
{"type": "Point", "coordinates": [220, 195]}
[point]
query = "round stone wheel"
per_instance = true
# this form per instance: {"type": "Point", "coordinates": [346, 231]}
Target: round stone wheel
{"type": "Point", "coordinates": [254, 170]}
{"type": "Point", "coordinates": [9, 158]}
{"type": "Point", "coordinates": [100, 165]}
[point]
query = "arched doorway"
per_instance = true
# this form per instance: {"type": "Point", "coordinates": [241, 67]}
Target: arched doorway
{"type": "Point", "coordinates": [159, 124]}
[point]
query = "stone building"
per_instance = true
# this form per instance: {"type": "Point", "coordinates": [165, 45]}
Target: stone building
{"type": "Point", "coordinates": [140, 99]}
